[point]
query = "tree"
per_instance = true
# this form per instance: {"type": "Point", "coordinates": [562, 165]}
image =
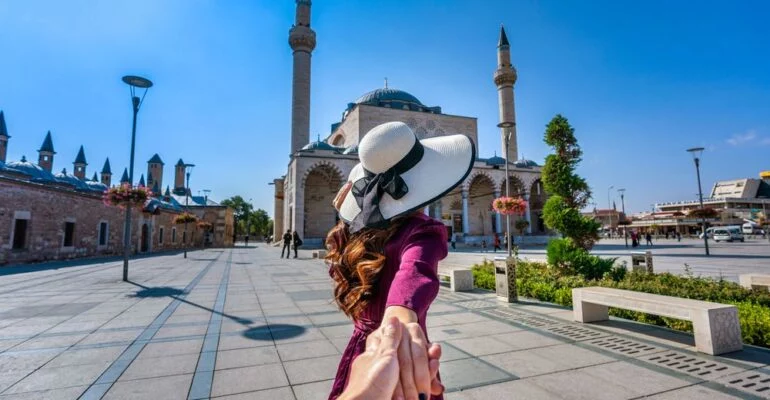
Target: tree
{"type": "Point", "coordinates": [521, 225]}
{"type": "Point", "coordinates": [569, 192]}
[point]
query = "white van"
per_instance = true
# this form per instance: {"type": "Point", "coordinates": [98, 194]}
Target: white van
{"type": "Point", "coordinates": [728, 234]}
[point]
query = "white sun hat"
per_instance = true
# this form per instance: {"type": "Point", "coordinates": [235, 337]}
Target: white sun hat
{"type": "Point", "coordinates": [399, 174]}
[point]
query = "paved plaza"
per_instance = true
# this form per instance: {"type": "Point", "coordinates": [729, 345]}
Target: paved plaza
{"type": "Point", "coordinates": [244, 324]}
{"type": "Point", "coordinates": [727, 259]}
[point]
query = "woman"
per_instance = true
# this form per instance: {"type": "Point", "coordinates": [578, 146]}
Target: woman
{"type": "Point", "coordinates": [297, 241]}
{"type": "Point", "coordinates": [384, 253]}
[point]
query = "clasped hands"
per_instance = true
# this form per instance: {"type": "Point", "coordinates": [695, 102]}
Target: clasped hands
{"type": "Point", "coordinates": [398, 364]}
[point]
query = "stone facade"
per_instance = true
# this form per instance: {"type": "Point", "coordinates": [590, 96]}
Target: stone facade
{"type": "Point", "coordinates": [316, 171]}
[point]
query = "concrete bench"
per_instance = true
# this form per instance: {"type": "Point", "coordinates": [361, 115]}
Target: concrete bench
{"type": "Point", "coordinates": [716, 326]}
{"type": "Point", "coordinates": [460, 280]}
{"type": "Point", "coordinates": [319, 254]}
{"type": "Point", "coordinates": [754, 281]}
{"type": "Point", "coordinates": [642, 260]}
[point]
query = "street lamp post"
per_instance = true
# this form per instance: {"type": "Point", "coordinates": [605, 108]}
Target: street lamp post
{"type": "Point", "coordinates": [697, 152]}
{"type": "Point", "coordinates": [609, 208]}
{"type": "Point", "coordinates": [134, 82]}
{"type": "Point", "coordinates": [623, 209]}
{"type": "Point", "coordinates": [187, 170]}
{"type": "Point", "coordinates": [507, 128]}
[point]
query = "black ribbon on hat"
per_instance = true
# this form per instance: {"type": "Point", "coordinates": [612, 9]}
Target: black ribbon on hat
{"type": "Point", "coordinates": [368, 191]}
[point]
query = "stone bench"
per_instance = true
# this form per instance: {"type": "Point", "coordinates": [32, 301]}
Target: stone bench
{"type": "Point", "coordinates": [319, 254]}
{"type": "Point", "coordinates": [716, 326]}
{"type": "Point", "coordinates": [754, 281]}
{"type": "Point", "coordinates": [460, 280]}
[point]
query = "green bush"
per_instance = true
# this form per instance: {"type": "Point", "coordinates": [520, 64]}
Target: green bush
{"type": "Point", "coordinates": [544, 282]}
{"type": "Point", "coordinates": [572, 259]}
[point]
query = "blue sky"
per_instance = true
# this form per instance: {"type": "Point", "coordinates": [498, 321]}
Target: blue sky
{"type": "Point", "coordinates": [639, 81]}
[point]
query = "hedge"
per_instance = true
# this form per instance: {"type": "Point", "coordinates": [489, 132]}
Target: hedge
{"type": "Point", "coordinates": [545, 283]}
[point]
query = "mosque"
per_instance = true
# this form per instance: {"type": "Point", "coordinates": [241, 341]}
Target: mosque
{"type": "Point", "coordinates": [316, 170]}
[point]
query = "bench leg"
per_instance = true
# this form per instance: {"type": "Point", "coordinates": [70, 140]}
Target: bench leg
{"type": "Point", "coordinates": [717, 331]}
{"type": "Point", "coordinates": [588, 312]}
{"type": "Point", "coordinates": [461, 280]}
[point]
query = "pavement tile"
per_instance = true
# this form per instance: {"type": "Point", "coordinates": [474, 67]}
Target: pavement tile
{"type": "Point", "coordinates": [697, 392]}
{"type": "Point", "coordinates": [171, 348]}
{"type": "Point", "coordinates": [248, 379]}
{"type": "Point", "coordinates": [641, 381]}
{"type": "Point", "coordinates": [470, 372]}
{"type": "Point", "coordinates": [238, 341]}
{"type": "Point", "coordinates": [59, 377]}
{"type": "Point", "coordinates": [580, 385]}
{"type": "Point", "coordinates": [166, 388]}
{"type": "Point", "coordinates": [312, 370]}
{"type": "Point", "coordinates": [518, 389]}
{"type": "Point", "coordinates": [314, 391]}
{"type": "Point", "coordinates": [52, 394]}
{"type": "Point", "coordinates": [102, 336]}
{"type": "Point", "coordinates": [481, 346]}
{"type": "Point", "coordinates": [302, 350]}
{"type": "Point", "coordinates": [247, 357]}
{"type": "Point", "coordinates": [546, 360]}
{"type": "Point", "coordinates": [339, 331]}
{"type": "Point", "coordinates": [283, 393]}
{"type": "Point", "coordinates": [160, 366]}
{"type": "Point", "coordinates": [526, 340]}
{"type": "Point", "coordinates": [166, 332]}
{"type": "Point", "coordinates": [87, 356]}
{"type": "Point", "coordinates": [50, 342]}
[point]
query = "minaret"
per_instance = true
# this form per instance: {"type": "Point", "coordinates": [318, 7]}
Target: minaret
{"type": "Point", "coordinates": [45, 158]}
{"type": "Point", "coordinates": [107, 173]}
{"type": "Point", "coordinates": [179, 177]}
{"type": "Point", "coordinates": [155, 171]}
{"type": "Point", "coordinates": [3, 138]}
{"type": "Point", "coordinates": [505, 78]}
{"type": "Point", "coordinates": [124, 178]}
{"type": "Point", "coordinates": [80, 164]}
{"type": "Point", "coordinates": [302, 41]}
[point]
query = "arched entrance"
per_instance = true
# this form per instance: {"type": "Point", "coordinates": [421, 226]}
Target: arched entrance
{"type": "Point", "coordinates": [481, 219]}
{"type": "Point", "coordinates": [321, 185]}
{"type": "Point", "coordinates": [537, 198]}
{"type": "Point", "coordinates": [144, 244]}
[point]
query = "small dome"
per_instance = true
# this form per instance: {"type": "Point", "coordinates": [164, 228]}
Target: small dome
{"type": "Point", "coordinates": [495, 161]}
{"type": "Point", "coordinates": [351, 150]}
{"type": "Point", "coordinates": [34, 171]}
{"type": "Point", "coordinates": [96, 186]}
{"type": "Point", "coordinates": [385, 95]}
{"type": "Point", "coordinates": [525, 164]}
{"type": "Point", "coordinates": [72, 180]}
{"type": "Point", "coordinates": [318, 145]}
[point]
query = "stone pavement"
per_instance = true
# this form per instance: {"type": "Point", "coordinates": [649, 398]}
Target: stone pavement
{"type": "Point", "coordinates": [727, 259]}
{"type": "Point", "coordinates": [244, 324]}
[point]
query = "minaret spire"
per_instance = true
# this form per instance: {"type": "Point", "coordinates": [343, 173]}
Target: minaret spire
{"type": "Point", "coordinates": [504, 78]}
{"type": "Point", "coordinates": [302, 42]}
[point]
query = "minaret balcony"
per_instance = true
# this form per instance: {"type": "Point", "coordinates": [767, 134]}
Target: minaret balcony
{"type": "Point", "coordinates": [503, 77]}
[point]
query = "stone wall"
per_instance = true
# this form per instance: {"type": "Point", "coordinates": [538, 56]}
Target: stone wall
{"type": "Point", "coordinates": [47, 209]}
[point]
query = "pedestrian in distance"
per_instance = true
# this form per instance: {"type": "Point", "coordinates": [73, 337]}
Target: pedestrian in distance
{"type": "Point", "coordinates": [383, 255]}
{"type": "Point", "coordinates": [496, 242]}
{"type": "Point", "coordinates": [454, 242]}
{"type": "Point", "coordinates": [648, 238]}
{"type": "Point", "coordinates": [286, 243]}
{"type": "Point", "coordinates": [484, 245]}
{"type": "Point", "coordinates": [297, 241]}
{"type": "Point", "coordinates": [247, 240]}
{"type": "Point", "coordinates": [678, 237]}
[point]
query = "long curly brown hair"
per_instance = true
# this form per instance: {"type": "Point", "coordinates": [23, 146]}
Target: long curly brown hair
{"type": "Point", "coordinates": [356, 262]}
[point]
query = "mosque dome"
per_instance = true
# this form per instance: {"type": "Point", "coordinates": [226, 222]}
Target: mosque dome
{"type": "Point", "coordinates": [495, 161]}
{"type": "Point", "coordinates": [34, 171]}
{"type": "Point", "coordinates": [318, 145]}
{"type": "Point", "coordinates": [379, 97]}
{"type": "Point", "coordinates": [71, 180]}
{"type": "Point", "coordinates": [524, 163]}
{"type": "Point", "coordinates": [352, 150]}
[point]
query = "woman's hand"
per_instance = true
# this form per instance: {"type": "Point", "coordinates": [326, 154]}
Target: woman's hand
{"type": "Point", "coordinates": [375, 373]}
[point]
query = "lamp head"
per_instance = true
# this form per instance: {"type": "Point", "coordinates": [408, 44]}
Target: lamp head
{"type": "Point", "coordinates": [137, 81]}
{"type": "Point", "coordinates": [696, 152]}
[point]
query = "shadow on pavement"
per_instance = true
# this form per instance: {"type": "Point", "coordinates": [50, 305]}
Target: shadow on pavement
{"type": "Point", "coordinates": [174, 293]}
{"type": "Point", "coordinates": [273, 332]}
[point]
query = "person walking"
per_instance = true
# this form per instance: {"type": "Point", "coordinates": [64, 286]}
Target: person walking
{"type": "Point", "coordinates": [286, 243]}
{"type": "Point", "coordinates": [297, 242]}
{"type": "Point", "coordinates": [484, 245]}
{"type": "Point", "coordinates": [648, 238]}
{"type": "Point", "coordinates": [383, 254]}
{"type": "Point", "coordinates": [496, 242]}
{"type": "Point", "coordinates": [454, 242]}
{"type": "Point", "coordinates": [247, 240]}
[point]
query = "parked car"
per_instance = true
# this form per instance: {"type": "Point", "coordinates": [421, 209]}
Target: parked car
{"type": "Point", "coordinates": [728, 235]}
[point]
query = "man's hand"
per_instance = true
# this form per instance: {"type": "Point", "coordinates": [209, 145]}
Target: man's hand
{"type": "Point", "coordinates": [375, 373]}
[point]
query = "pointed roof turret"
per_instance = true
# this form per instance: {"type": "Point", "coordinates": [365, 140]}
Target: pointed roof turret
{"type": "Point", "coordinates": [141, 180]}
{"type": "Point", "coordinates": [168, 192]}
{"type": "Point", "coordinates": [155, 159]}
{"type": "Point", "coordinates": [81, 157]}
{"type": "Point", "coordinates": [106, 168]}
{"type": "Point", "coordinates": [124, 178]}
{"type": "Point", "coordinates": [503, 38]}
{"type": "Point", "coordinates": [95, 178]}
{"type": "Point", "coordinates": [180, 162]}
{"type": "Point", "coordinates": [47, 144]}
{"type": "Point", "coordinates": [3, 128]}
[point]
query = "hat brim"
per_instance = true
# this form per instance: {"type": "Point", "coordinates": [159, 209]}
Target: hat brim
{"type": "Point", "coordinates": [445, 164]}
